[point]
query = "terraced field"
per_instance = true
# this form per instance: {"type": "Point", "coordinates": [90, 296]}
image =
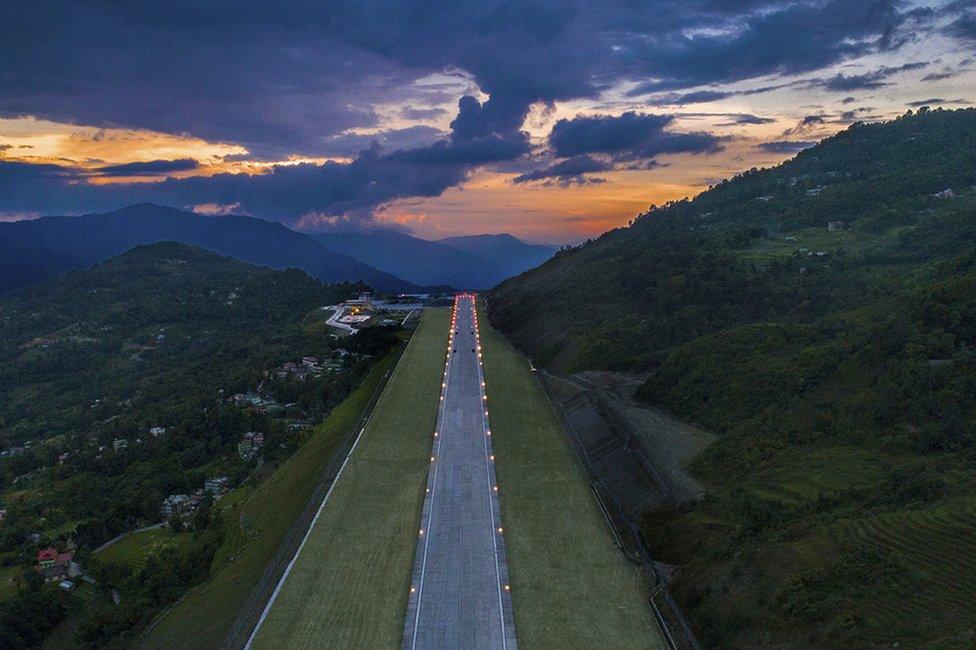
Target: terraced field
{"type": "Point", "coordinates": [933, 553]}
{"type": "Point", "coordinates": [822, 471]}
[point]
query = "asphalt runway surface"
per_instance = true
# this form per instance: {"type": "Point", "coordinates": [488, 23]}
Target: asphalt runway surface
{"type": "Point", "coordinates": [459, 593]}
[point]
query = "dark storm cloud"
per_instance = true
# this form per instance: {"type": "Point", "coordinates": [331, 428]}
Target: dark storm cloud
{"type": "Point", "coordinates": [348, 144]}
{"type": "Point", "coordinates": [748, 119]}
{"type": "Point", "coordinates": [414, 113]}
{"type": "Point", "coordinates": [630, 136]}
{"type": "Point", "coordinates": [567, 172]}
{"type": "Point", "coordinates": [733, 119]}
{"type": "Point", "coordinates": [474, 151]}
{"type": "Point", "coordinates": [286, 194]}
{"type": "Point", "coordinates": [705, 96]}
{"type": "Point", "coordinates": [788, 38]}
{"type": "Point", "coordinates": [153, 167]}
{"type": "Point", "coordinates": [284, 78]}
{"type": "Point", "coordinates": [964, 25]}
{"type": "Point", "coordinates": [869, 80]}
{"type": "Point", "coordinates": [786, 146]}
{"type": "Point", "coordinates": [296, 77]}
{"type": "Point", "coordinates": [939, 76]}
{"type": "Point", "coordinates": [935, 101]}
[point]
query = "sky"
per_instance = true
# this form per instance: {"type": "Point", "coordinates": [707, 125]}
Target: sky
{"type": "Point", "coordinates": [554, 120]}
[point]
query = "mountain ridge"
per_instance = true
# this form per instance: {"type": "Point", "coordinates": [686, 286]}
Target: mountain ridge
{"type": "Point", "coordinates": [472, 262]}
{"type": "Point", "coordinates": [820, 317]}
{"type": "Point", "coordinates": [53, 244]}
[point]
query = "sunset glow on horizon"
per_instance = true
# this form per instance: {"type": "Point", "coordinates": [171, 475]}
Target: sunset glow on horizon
{"type": "Point", "coordinates": [530, 141]}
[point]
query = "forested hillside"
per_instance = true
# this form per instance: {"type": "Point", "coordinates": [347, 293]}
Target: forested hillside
{"type": "Point", "coordinates": [168, 370]}
{"type": "Point", "coordinates": [821, 316]}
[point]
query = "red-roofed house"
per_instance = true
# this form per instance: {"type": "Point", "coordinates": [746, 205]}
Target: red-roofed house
{"type": "Point", "coordinates": [55, 566]}
{"type": "Point", "coordinates": [47, 557]}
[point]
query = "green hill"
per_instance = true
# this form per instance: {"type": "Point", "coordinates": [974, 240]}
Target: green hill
{"type": "Point", "coordinates": [821, 316]}
{"type": "Point", "coordinates": [94, 363]}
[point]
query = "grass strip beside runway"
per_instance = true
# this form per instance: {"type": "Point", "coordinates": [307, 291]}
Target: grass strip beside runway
{"type": "Point", "coordinates": [348, 588]}
{"type": "Point", "coordinates": [258, 519]}
{"type": "Point", "coordinates": [571, 587]}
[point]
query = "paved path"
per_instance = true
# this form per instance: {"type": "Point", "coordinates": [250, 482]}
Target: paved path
{"type": "Point", "coordinates": [459, 594]}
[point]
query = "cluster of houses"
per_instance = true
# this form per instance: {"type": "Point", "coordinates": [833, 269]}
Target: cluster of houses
{"type": "Point", "coordinates": [255, 401]}
{"type": "Point", "coordinates": [57, 566]}
{"type": "Point", "coordinates": [15, 451]}
{"type": "Point", "coordinates": [184, 505]}
{"type": "Point", "coordinates": [250, 444]}
{"type": "Point", "coordinates": [307, 367]}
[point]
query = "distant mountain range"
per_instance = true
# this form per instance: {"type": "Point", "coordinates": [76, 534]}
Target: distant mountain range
{"type": "Point", "coordinates": [475, 262]}
{"type": "Point", "coordinates": [45, 247]}
{"type": "Point", "coordinates": [388, 262]}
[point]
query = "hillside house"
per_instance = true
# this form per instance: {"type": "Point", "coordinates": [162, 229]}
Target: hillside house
{"type": "Point", "coordinates": [54, 566]}
{"type": "Point", "coordinates": [256, 437]}
{"type": "Point", "coordinates": [251, 442]}
{"type": "Point", "coordinates": [177, 504]}
{"type": "Point", "coordinates": [47, 557]}
{"type": "Point", "coordinates": [217, 486]}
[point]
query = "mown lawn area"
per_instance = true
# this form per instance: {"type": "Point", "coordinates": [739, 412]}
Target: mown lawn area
{"type": "Point", "coordinates": [257, 521]}
{"type": "Point", "coordinates": [571, 587]}
{"type": "Point", "coordinates": [348, 588]}
{"type": "Point", "coordinates": [134, 549]}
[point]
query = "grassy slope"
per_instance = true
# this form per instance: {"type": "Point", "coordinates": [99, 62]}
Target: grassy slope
{"type": "Point", "coordinates": [571, 587]}
{"type": "Point", "coordinates": [350, 583]}
{"type": "Point", "coordinates": [257, 522]}
{"type": "Point", "coordinates": [133, 550]}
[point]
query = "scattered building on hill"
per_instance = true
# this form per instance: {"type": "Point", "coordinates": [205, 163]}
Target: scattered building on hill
{"type": "Point", "coordinates": [217, 486]}
{"type": "Point", "coordinates": [945, 194]}
{"type": "Point", "coordinates": [176, 504]}
{"type": "Point", "coordinates": [155, 432]}
{"type": "Point", "coordinates": [255, 401]}
{"type": "Point", "coordinates": [55, 566]}
{"type": "Point", "coordinates": [308, 367]}
{"type": "Point", "coordinates": [250, 444]}
{"type": "Point", "coordinates": [835, 225]}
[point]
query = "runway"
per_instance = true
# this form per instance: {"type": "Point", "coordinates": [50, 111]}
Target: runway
{"type": "Point", "coordinates": [459, 593]}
